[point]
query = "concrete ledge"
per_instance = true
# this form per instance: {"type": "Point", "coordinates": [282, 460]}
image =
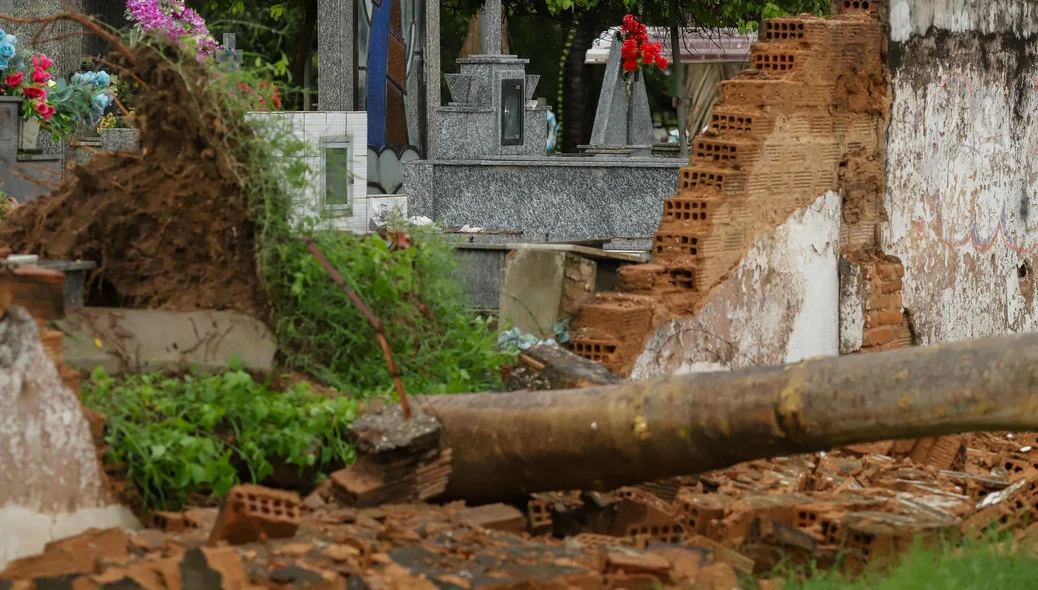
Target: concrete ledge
{"type": "Point", "coordinates": [134, 340]}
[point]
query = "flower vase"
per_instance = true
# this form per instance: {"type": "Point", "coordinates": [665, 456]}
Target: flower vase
{"type": "Point", "coordinates": [30, 134]}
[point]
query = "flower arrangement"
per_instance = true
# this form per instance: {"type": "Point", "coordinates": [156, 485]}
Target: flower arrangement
{"type": "Point", "coordinates": [637, 51]}
{"type": "Point", "coordinates": [57, 104]}
{"type": "Point", "coordinates": [177, 21]}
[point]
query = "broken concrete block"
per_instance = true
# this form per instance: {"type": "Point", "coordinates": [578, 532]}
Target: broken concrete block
{"type": "Point", "coordinates": [543, 286]}
{"type": "Point", "coordinates": [251, 512]}
{"type": "Point", "coordinates": [140, 340]}
{"type": "Point", "coordinates": [51, 485]}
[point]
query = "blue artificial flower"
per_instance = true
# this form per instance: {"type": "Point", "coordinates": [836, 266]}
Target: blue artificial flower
{"type": "Point", "coordinates": [3, 33]}
{"type": "Point", "coordinates": [103, 79]}
{"type": "Point", "coordinates": [86, 77]}
{"type": "Point", "coordinates": [7, 50]}
{"type": "Point", "coordinates": [102, 101]}
{"type": "Point", "coordinates": [9, 38]}
{"type": "Point", "coordinates": [76, 78]}
{"type": "Point", "coordinates": [3, 64]}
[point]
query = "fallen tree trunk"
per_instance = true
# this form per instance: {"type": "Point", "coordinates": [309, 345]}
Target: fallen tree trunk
{"type": "Point", "coordinates": [606, 437]}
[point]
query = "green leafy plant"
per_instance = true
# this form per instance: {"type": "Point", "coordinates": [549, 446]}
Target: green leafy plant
{"type": "Point", "coordinates": [7, 204]}
{"type": "Point", "coordinates": [174, 436]}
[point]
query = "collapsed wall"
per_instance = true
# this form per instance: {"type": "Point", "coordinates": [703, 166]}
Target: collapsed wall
{"type": "Point", "coordinates": [51, 482]}
{"type": "Point", "coordinates": [962, 174]}
{"type": "Point", "coordinates": [788, 175]}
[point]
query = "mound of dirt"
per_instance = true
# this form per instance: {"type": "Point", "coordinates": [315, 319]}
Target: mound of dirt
{"type": "Point", "coordinates": [170, 227]}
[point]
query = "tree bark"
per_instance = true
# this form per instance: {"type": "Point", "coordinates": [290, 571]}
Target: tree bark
{"type": "Point", "coordinates": [605, 437]}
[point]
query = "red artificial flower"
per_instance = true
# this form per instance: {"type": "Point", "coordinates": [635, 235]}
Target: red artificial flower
{"type": "Point", "coordinates": [661, 62]}
{"type": "Point", "coordinates": [45, 110]}
{"type": "Point", "coordinates": [42, 61]}
{"type": "Point", "coordinates": [630, 65]}
{"type": "Point", "coordinates": [14, 79]}
{"type": "Point", "coordinates": [34, 92]}
{"type": "Point", "coordinates": [630, 23]}
{"type": "Point", "coordinates": [630, 49]}
{"type": "Point", "coordinates": [39, 76]}
{"type": "Point", "coordinates": [650, 51]}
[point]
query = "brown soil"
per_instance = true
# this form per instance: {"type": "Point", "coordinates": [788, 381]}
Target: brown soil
{"type": "Point", "coordinates": [169, 227]}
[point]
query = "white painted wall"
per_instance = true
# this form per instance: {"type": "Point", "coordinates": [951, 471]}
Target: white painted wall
{"type": "Point", "coordinates": [962, 165]}
{"type": "Point", "coordinates": [745, 324]}
{"type": "Point", "coordinates": [309, 127]}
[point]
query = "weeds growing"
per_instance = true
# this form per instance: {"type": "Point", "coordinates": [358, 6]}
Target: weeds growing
{"type": "Point", "coordinates": [175, 436]}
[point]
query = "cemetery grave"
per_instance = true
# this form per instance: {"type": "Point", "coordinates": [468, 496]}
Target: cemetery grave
{"type": "Point", "coordinates": [317, 443]}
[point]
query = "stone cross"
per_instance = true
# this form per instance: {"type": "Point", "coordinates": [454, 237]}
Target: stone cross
{"type": "Point", "coordinates": [229, 54]}
{"type": "Point", "coordinates": [490, 18]}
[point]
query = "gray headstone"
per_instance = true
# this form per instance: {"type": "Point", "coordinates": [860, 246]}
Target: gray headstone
{"type": "Point", "coordinates": [490, 18]}
{"type": "Point", "coordinates": [230, 53]}
{"type": "Point", "coordinates": [336, 29]}
{"type": "Point", "coordinates": [619, 121]}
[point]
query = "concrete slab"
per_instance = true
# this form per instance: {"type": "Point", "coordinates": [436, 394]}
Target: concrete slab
{"type": "Point", "coordinates": [135, 340]}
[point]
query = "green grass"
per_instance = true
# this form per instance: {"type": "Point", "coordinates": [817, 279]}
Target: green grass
{"type": "Point", "coordinates": [977, 566]}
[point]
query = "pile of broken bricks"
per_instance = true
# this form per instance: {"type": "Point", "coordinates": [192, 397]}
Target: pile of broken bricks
{"type": "Point", "coordinates": [868, 503]}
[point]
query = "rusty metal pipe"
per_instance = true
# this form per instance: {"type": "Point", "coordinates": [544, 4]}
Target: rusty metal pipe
{"type": "Point", "coordinates": [606, 437]}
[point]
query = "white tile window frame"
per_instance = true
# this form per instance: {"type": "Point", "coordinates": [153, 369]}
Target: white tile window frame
{"type": "Point", "coordinates": [345, 142]}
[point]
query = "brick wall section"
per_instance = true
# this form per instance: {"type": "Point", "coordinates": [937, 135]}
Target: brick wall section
{"type": "Point", "coordinates": [886, 326]}
{"type": "Point", "coordinates": [801, 122]}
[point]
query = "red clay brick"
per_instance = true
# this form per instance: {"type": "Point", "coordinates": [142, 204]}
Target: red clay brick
{"type": "Point", "coordinates": [885, 318]}
{"type": "Point", "coordinates": [499, 517]}
{"type": "Point", "coordinates": [889, 302]}
{"type": "Point", "coordinates": [251, 512]}
{"type": "Point", "coordinates": [891, 286]}
{"type": "Point", "coordinates": [879, 336]}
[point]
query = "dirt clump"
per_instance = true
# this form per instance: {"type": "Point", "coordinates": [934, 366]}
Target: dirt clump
{"type": "Point", "coordinates": [169, 227]}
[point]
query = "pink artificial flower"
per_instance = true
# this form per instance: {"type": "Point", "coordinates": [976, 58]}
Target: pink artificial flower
{"type": "Point", "coordinates": [42, 62]}
{"type": "Point", "coordinates": [34, 92]}
{"type": "Point", "coordinates": [14, 79]}
{"type": "Point", "coordinates": [45, 110]}
{"type": "Point", "coordinates": [39, 76]}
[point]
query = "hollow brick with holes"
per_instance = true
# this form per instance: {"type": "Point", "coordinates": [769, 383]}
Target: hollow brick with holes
{"type": "Point", "coordinates": [687, 210]}
{"type": "Point", "coordinates": [251, 512]}
{"type": "Point", "coordinates": [861, 5]}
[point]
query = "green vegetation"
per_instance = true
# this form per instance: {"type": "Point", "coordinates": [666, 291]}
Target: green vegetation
{"type": "Point", "coordinates": [196, 433]}
{"type": "Point", "coordinates": [983, 565]}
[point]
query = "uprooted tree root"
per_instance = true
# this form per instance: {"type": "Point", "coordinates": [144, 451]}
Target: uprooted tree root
{"type": "Point", "coordinates": [170, 227]}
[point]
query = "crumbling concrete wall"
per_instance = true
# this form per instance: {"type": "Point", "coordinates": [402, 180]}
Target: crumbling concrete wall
{"type": "Point", "coordinates": [961, 164]}
{"type": "Point", "coordinates": [51, 484]}
{"type": "Point", "coordinates": [743, 325]}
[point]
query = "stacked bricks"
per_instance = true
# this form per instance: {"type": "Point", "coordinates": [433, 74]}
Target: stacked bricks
{"type": "Point", "coordinates": [886, 326]}
{"type": "Point", "coordinates": [603, 330]}
{"type": "Point", "coordinates": [779, 139]}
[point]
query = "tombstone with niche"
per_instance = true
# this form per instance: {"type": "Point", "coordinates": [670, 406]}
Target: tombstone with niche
{"type": "Point", "coordinates": [489, 114]}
